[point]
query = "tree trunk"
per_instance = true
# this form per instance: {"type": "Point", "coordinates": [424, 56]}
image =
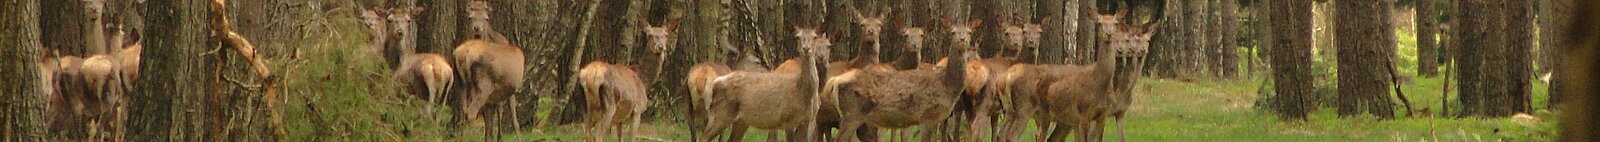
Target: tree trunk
{"type": "Point", "coordinates": [1427, 54]}
{"type": "Point", "coordinates": [1473, 45]}
{"type": "Point", "coordinates": [270, 26]}
{"type": "Point", "coordinates": [173, 82]}
{"type": "Point", "coordinates": [24, 104]}
{"type": "Point", "coordinates": [1518, 62]}
{"type": "Point", "coordinates": [1228, 59]}
{"type": "Point", "coordinates": [1291, 58]}
{"type": "Point", "coordinates": [1552, 41]}
{"type": "Point", "coordinates": [1365, 44]}
{"type": "Point", "coordinates": [63, 31]}
{"type": "Point", "coordinates": [1168, 50]}
{"type": "Point", "coordinates": [438, 26]}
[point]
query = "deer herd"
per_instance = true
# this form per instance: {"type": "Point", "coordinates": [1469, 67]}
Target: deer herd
{"type": "Point", "coordinates": [804, 98]}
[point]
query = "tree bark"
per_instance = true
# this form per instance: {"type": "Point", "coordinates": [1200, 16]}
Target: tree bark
{"type": "Point", "coordinates": [1553, 28]}
{"type": "Point", "coordinates": [535, 16]}
{"type": "Point", "coordinates": [63, 31]}
{"type": "Point", "coordinates": [1228, 64]}
{"type": "Point", "coordinates": [1291, 58]}
{"type": "Point", "coordinates": [1365, 44]}
{"type": "Point", "coordinates": [438, 26]}
{"type": "Point", "coordinates": [24, 104]}
{"type": "Point", "coordinates": [1518, 62]}
{"type": "Point", "coordinates": [1427, 52]}
{"type": "Point", "coordinates": [173, 82]}
{"type": "Point", "coordinates": [1473, 45]}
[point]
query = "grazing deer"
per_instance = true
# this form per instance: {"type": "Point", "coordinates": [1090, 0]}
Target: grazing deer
{"type": "Point", "coordinates": [885, 98]}
{"type": "Point", "coordinates": [490, 70]}
{"type": "Point", "coordinates": [615, 94]}
{"type": "Point", "coordinates": [426, 75]}
{"type": "Point", "coordinates": [770, 100]}
{"type": "Point", "coordinates": [1075, 98]}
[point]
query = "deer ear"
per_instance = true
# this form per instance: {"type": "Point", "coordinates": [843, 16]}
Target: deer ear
{"type": "Point", "coordinates": [885, 13]}
{"type": "Point", "coordinates": [856, 14]}
{"type": "Point", "coordinates": [1045, 20]}
{"type": "Point", "coordinates": [672, 25]}
{"type": "Point", "coordinates": [976, 22]}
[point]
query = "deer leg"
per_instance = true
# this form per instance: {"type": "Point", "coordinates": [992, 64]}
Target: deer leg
{"type": "Point", "coordinates": [980, 122]}
{"type": "Point", "coordinates": [847, 130]}
{"type": "Point", "coordinates": [1122, 134]}
{"type": "Point", "coordinates": [737, 133]}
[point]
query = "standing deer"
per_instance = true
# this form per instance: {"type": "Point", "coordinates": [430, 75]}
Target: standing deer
{"type": "Point", "coordinates": [885, 98]}
{"type": "Point", "coordinates": [490, 71]}
{"type": "Point", "coordinates": [703, 73]}
{"type": "Point", "coordinates": [1073, 98]}
{"type": "Point", "coordinates": [426, 75]}
{"type": "Point", "coordinates": [615, 95]}
{"type": "Point", "coordinates": [770, 100]}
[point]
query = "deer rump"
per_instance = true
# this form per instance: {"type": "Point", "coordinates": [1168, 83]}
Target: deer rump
{"type": "Point", "coordinates": [760, 100]}
{"type": "Point", "coordinates": [617, 87]}
{"type": "Point", "coordinates": [897, 99]}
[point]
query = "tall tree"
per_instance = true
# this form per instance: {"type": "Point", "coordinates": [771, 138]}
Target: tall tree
{"type": "Point", "coordinates": [438, 25]}
{"type": "Point", "coordinates": [63, 31]}
{"type": "Point", "coordinates": [1427, 54]}
{"type": "Point", "coordinates": [1366, 44]}
{"type": "Point", "coordinates": [1517, 65]}
{"type": "Point", "coordinates": [1473, 43]}
{"type": "Point", "coordinates": [1227, 21]}
{"type": "Point", "coordinates": [173, 82]}
{"type": "Point", "coordinates": [1291, 58]}
{"type": "Point", "coordinates": [1553, 26]}
{"type": "Point", "coordinates": [533, 16]}
{"type": "Point", "coordinates": [24, 104]}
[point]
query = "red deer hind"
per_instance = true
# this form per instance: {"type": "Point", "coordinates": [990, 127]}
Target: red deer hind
{"type": "Point", "coordinates": [786, 102]}
{"type": "Point", "coordinates": [488, 71]}
{"type": "Point", "coordinates": [425, 75]}
{"type": "Point", "coordinates": [1074, 98]}
{"type": "Point", "coordinates": [615, 95]}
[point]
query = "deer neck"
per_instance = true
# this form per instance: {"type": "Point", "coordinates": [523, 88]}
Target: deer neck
{"type": "Point", "coordinates": [486, 32]}
{"type": "Point", "coordinates": [809, 77]}
{"type": "Point", "coordinates": [95, 34]}
{"type": "Point", "coordinates": [954, 70]}
{"type": "Point", "coordinates": [1105, 64]}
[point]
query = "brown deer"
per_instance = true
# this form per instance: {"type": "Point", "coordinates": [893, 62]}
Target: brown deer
{"type": "Point", "coordinates": [489, 71]}
{"type": "Point", "coordinates": [770, 100]}
{"type": "Point", "coordinates": [1074, 98]}
{"type": "Point", "coordinates": [703, 73]}
{"type": "Point", "coordinates": [425, 75]}
{"type": "Point", "coordinates": [881, 98]}
{"type": "Point", "coordinates": [615, 94]}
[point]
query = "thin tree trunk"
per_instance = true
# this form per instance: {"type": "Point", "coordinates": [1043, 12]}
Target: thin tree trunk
{"type": "Point", "coordinates": [1292, 58]}
{"type": "Point", "coordinates": [1227, 24]}
{"type": "Point", "coordinates": [24, 104]}
{"type": "Point", "coordinates": [1553, 28]}
{"type": "Point", "coordinates": [1427, 52]}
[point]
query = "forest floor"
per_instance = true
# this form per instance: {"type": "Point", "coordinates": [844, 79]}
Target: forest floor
{"type": "Point", "coordinates": [1171, 110]}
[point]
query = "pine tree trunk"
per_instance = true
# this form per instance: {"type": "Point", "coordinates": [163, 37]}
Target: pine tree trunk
{"type": "Point", "coordinates": [1228, 21]}
{"type": "Point", "coordinates": [25, 99]}
{"type": "Point", "coordinates": [1365, 44]}
{"type": "Point", "coordinates": [63, 30]}
{"type": "Point", "coordinates": [1471, 49]}
{"type": "Point", "coordinates": [1427, 52]}
{"type": "Point", "coordinates": [1553, 28]}
{"type": "Point", "coordinates": [438, 26]}
{"type": "Point", "coordinates": [173, 82]}
{"type": "Point", "coordinates": [1518, 62]}
{"type": "Point", "coordinates": [1291, 58]}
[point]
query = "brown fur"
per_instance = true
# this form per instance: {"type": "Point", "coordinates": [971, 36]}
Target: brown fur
{"type": "Point", "coordinates": [881, 98]}
{"type": "Point", "coordinates": [615, 94]}
{"type": "Point", "coordinates": [768, 100]}
{"type": "Point", "coordinates": [490, 67]}
{"type": "Point", "coordinates": [426, 75]}
{"type": "Point", "coordinates": [1073, 98]}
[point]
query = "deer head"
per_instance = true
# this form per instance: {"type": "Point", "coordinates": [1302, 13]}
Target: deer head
{"type": "Point", "coordinates": [661, 38]}
{"type": "Point", "coordinates": [376, 25]}
{"type": "Point", "coordinates": [401, 21]}
{"type": "Point", "coordinates": [914, 38]}
{"type": "Point", "coordinates": [1012, 32]}
{"type": "Point", "coordinates": [95, 7]}
{"type": "Point", "coordinates": [872, 26]}
{"type": "Point", "coordinates": [961, 34]}
{"type": "Point", "coordinates": [1033, 33]}
{"type": "Point", "coordinates": [478, 12]}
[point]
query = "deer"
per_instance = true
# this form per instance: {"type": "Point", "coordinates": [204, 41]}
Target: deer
{"type": "Point", "coordinates": [489, 71]}
{"type": "Point", "coordinates": [703, 73]}
{"type": "Point", "coordinates": [425, 75]}
{"type": "Point", "coordinates": [1075, 98]}
{"type": "Point", "coordinates": [882, 98]}
{"type": "Point", "coordinates": [783, 101]}
{"type": "Point", "coordinates": [615, 94]}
